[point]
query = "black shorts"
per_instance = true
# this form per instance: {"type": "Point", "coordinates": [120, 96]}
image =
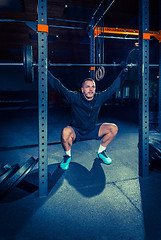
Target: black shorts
{"type": "Point", "coordinates": [89, 136]}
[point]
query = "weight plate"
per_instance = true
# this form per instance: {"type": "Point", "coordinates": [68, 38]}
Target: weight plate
{"type": "Point", "coordinates": [29, 61]}
{"type": "Point", "coordinates": [10, 171]}
{"type": "Point", "coordinates": [132, 58]}
{"type": "Point", "coordinates": [28, 64]}
{"type": "Point", "coordinates": [24, 62]}
{"type": "Point", "coordinates": [4, 169]}
{"type": "Point", "coordinates": [11, 183]}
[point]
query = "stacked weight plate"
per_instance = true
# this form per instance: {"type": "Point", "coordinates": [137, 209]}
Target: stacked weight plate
{"type": "Point", "coordinates": [7, 171]}
{"type": "Point", "coordinates": [11, 176]}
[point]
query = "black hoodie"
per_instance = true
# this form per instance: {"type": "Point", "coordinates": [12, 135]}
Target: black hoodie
{"type": "Point", "coordinates": [84, 112]}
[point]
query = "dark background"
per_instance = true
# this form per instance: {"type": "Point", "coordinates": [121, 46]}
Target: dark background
{"type": "Point", "coordinates": [68, 45]}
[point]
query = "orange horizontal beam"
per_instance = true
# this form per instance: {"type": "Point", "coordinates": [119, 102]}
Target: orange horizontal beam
{"type": "Point", "coordinates": [99, 30]}
{"type": "Point", "coordinates": [156, 35]}
{"type": "Point", "coordinates": [134, 32]}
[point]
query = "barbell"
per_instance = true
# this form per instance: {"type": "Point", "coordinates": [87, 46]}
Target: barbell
{"type": "Point", "coordinates": [28, 64]}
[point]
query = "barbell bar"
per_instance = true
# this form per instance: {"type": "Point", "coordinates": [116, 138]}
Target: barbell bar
{"type": "Point", "coordinates": [29, 64]}
{"type": "Point", "coordinates": [76, 64]}
{"type": "Point", "coordinates": [11, 64]}
{"type": "Point", "coordinates": [90, 65]}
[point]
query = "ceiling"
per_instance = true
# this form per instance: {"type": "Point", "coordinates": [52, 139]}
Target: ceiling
{"type": "Point", "coordinates": [68, 40]}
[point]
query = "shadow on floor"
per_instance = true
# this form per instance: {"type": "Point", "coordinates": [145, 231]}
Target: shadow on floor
{"type": "Point", "coordinates": [87, 183]}
{"type": "Point", "coordinates": [24, 201]}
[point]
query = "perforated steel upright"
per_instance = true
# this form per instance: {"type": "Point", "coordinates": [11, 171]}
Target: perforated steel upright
{"type": "Point", "coordinates": [92, 48]}
{"type": "Point", "coordinates": [43, 99]}
{"type": "Point", "coordinates": [159, 114]}
{"type": "Point", "coordinates": [144, 88]}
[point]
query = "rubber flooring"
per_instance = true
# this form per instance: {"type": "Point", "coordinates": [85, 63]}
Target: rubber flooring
{"type": "Point", "coordinates": [90, 201]}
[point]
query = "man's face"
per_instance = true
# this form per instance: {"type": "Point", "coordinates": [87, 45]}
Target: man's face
{"type": "Point", "coordinates": [88, 89]}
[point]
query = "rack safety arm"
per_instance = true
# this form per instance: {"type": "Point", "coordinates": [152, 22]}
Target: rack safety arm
{"type": "Point", "coordinates": [134, 32]}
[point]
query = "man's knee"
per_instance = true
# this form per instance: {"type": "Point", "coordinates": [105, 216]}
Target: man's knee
{"type": "Point", "coordinates": [107, 128]}
{"type": "Point", "coordinates": [114, 129]}
{"type": "Point", "coordinates": [67, 133]}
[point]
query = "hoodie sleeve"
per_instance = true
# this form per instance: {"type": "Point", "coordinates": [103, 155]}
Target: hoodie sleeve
{"type": "Point", "coordinates": [59, 87]}
{"type": "Point", "coordinates": [106, 94]}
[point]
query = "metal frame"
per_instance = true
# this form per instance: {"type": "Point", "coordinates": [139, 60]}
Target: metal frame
{"type": "Point", "coordinates": [42, 98]}
{"type": "Point", "coordinates": [92, 48]}
{"type": "Point", "coordinates": [144, 89]}
{"type": "Point", "coordinates": [159, 114]}
{"type": "Point", "coordinates": [99, 16]}
{"type": "Point", "coordinates": [100, 41]}
{"type": "Point", "coordinates": [96, 44]}
{"type": "Point", "coordinates": [144, 36]}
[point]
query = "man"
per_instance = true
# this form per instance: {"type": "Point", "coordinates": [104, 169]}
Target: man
{"type": "Point", "coordinates": [85, 107]}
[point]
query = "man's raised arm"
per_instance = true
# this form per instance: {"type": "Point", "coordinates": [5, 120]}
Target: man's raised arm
{"type": "Point", "coordinates": [59, 87]}
{"type": "Point", "coordinates": [117, 83]}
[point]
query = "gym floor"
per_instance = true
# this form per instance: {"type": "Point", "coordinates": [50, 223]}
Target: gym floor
{"type": "Point", "coordinates": [90, 201]}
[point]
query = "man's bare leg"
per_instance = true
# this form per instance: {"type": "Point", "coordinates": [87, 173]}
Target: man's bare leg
{"type": "Point", "coordinates": [67, 138]}
{"type": "Point", "coordinates": [108, 132]}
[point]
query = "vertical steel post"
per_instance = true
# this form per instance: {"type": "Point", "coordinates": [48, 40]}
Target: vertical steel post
{"type": "Point", "coordinates": [92, 48]}
{"type": "Point", "coordinates": [42, 99]}
{"type": "Point", "coordinates": [159, 113]}
{"type": "Point", "coordinates": [144, 88]}
{"type": "Point", "coordinates": [98, 47]}
{"type": "Point", "coordinates": [100, 40]}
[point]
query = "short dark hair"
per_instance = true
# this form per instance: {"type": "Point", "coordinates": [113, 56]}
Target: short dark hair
{"type": "Point", "coordinates": [87, 79]}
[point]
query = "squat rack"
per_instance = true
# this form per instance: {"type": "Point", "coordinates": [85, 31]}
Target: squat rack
{"type": "Point", "coordinates": [143, 81]}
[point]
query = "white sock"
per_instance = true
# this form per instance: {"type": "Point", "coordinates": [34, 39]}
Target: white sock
{"type": "Point", "coordinates": [101, 149]}
{"type": "Point", "coordinates": [68, 152]}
